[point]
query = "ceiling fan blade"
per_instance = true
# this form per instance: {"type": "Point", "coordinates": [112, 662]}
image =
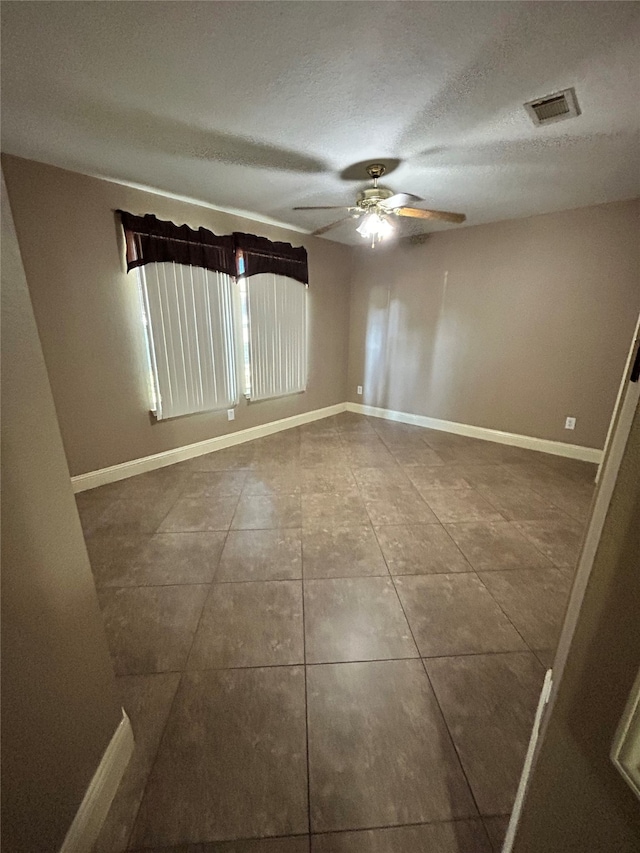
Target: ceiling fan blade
{"type": "Point", "coordinates": [400, 200]}
{"type": "Point", "coordinates": [329, 207]}
{"type": "Point", "coordinates": [442, 215]}
{"type": "Point", "coordinates": [324, 228]}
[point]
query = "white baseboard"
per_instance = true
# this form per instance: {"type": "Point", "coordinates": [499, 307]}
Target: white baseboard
{"type": "Point", "coordinates": [557, 448]}
{"type": "Point", "coordinates": [92, 479]}
{"type": "Point", "coordinates": [97, 800]}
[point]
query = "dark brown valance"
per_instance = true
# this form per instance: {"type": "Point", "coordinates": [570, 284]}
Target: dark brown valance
{"type": "Point", "coordinates": [151, 240]}
{"type": "Point", "coordinates": [261, 255]}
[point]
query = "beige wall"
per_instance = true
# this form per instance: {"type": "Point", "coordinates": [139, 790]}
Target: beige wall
{"type": "Point", "coordinates": [577, 801]}
{"type": "Point", "coordinates": [511, 326]}
{"type": "Point", "coordinates": [86, 307]}
{"type": "Point", "coordinates": [59, 709]}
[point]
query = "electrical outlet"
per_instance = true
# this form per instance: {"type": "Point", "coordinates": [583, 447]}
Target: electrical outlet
{"type": "Point", "coordinates": [570, 423]}
{"type": "Point", "coordinates": [231, 414]}
{"type": "Point", "coordinates": [359, 389]}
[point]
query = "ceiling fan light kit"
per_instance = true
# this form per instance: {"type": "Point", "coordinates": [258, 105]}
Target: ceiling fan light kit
{"type": "Point", "coordinates": [378, 205]}
{"type": "Point", "coordinates": [375, 228]}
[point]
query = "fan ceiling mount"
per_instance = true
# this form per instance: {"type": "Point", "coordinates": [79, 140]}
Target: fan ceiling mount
{"type": "Point", "coordinates": [379, 205]}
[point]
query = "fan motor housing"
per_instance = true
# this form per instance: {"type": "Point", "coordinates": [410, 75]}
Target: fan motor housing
{"type": "Point", "coordinates": [373, 195]}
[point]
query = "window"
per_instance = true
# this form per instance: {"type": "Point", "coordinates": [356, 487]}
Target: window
{"type": "Point", "coordinates": [190, 335]}
{"type": "Point", "coordinates": [217, 308]}
{"type": "Point", "coordinates": [274, 323]}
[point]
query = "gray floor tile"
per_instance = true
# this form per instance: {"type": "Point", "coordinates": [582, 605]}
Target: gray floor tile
{"type": "Point", "coordinates": [228, 459]}
{"type": "Point", "coordinates": [175, 848]}
{"type": "Point", "coordinates": [316, 480]}
{"type": "Point", "coordinates": [364, 441]}
{"type": "Point", "coordinates": [463, 836]}
{"type": "Point", "coordinates": [209, 484]}
{"type": "Point", "coordinates": [113, 555]}
{"type": "Point", "coordinates": [287, 457]}
{"type": "Point", "coordinates": [518, 502]}
{"type": "Point", "coordinates": [134, 515]}
{"type": "Point", "coordinates": [545, 656]}
{"type": "Point", "coordinates": [574, 498]}
{"type": "Point", "coordinates": [349, 619]}
{"type": "Point", "coordinates": [338, 509]}
{"type": "Point", "coordinates": [438, 477]}
{"type": "Point", "coordinates": [496, 830]}
{"type": "Point", "coordinates": [455, 615]}
{"type": "Point", "coordinates": [250, 624]}
{"type": "Point", "coordinates": [473, 452]}
{"type": "Point", "coordinates": [232, 762]}
{"type": "Point", "coordinates": [452, 505]}
{"type": "Point", "coordinates": [560, 541]}
{"type": "Point", "coordinates": [147, 700]}
{"type": "Point", "coordinates": [176, 558]}
{"type": "Point", "coordinates": [534, 599]}
{"type": "Point", "coordinates": [323, 457]}
{"type": "Point", "coordinates": [376, 477]}
{"type": "Point", "coordinates": [190, 515]}
{"type": "Point", "coordinates": [397, 431]}
{"type": "Point", "coordinates": [233, 765]}
{"type": "Point", "coordinates": [396, 505]}
{"type": "Point", "coordinates": [411, 456]}
{"type": "Point", "coordinates": [167, 481]}
{"type": "Point", "coordinates": [261, 845]}
{"type": "Point", "coordinates": [261, 555]}
{"type": "Point", "coordinates": [341, 552]}
{"type": "Point", "coordinates": [258, 512]}
{"type": "Point", "coordinates": [482, 475]}
{"type": "Point", "coordinates": [91, 505]}
{"type": "Point", "coordinates": [496, 545]}
{"type": "Point", "coordinates": [273, 480]}
{"type": "Point", "coordinates": [367, 457]}
{"type": "Point", "coordinates": [379, 752]}
{"type": "Point", "coordinates": [420, 549]}
{"type": "Point", "coordinates": [409, 441]}
{"type": "Point", "coordinates": [491, 732]}
{"type": "Point", "coordinates": [151, 628]}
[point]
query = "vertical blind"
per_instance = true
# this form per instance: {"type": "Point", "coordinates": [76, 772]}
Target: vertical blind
{"type": "Point", "coordinates": [191, 338]}
{"type": "Point", "coordinates": [187, 283]}
{"type": "Point", "coordinates": [276, 320]}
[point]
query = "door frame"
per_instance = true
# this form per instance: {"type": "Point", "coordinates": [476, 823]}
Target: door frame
{"type": "Point", "coordinates": [627, 403]}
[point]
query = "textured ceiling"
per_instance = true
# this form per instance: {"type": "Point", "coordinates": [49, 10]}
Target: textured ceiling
{"type": "Point", "coordinates": [258, 107]}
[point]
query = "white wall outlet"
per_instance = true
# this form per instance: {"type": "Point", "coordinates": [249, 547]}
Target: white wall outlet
{"type": "Point", "coordinates": [359, 389]}
{"type": "Point", "coordinates": [231, 414]}
{"type": "Point", "coordinates": [570, 423]}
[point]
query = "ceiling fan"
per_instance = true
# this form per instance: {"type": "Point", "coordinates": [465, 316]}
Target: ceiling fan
{"type": "Point", "coordinates": [378, 205]}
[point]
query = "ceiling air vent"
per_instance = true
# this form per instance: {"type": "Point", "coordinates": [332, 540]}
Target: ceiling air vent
{"type": "Point", "coordinates": [554, 107]}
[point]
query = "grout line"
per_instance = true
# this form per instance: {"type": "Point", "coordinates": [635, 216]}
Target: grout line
{"type": "Point", "coordinates": [436, 698]}
{"type": "Point", "coordinates": [306, 691]}
{"type": "Point", "coordinates": [453, 743]}
{"type": "Point", "coordinates": [327, 663]}
{"type": "Point", "coordinates": [477, 819]}
{"type": "Point", "coordinates": [213, 582]}
{"type": "Point", "coordinates": [471, 819]}
{"type": "Point", "coordinates": [183, 673]}
{"type": "Point", "coordinates": [509, 619]}
{"type": "Point", "coordinates": [439, 706]}
{"type": "Point", "coordinates": [153, 762]}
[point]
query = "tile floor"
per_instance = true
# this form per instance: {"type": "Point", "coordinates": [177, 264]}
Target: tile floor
{"type": "Point", "coordinates": [332, 639]}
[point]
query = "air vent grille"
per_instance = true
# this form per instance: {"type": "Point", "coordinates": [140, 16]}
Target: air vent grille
{"type": "Point", "coordinates": [556, 107]}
